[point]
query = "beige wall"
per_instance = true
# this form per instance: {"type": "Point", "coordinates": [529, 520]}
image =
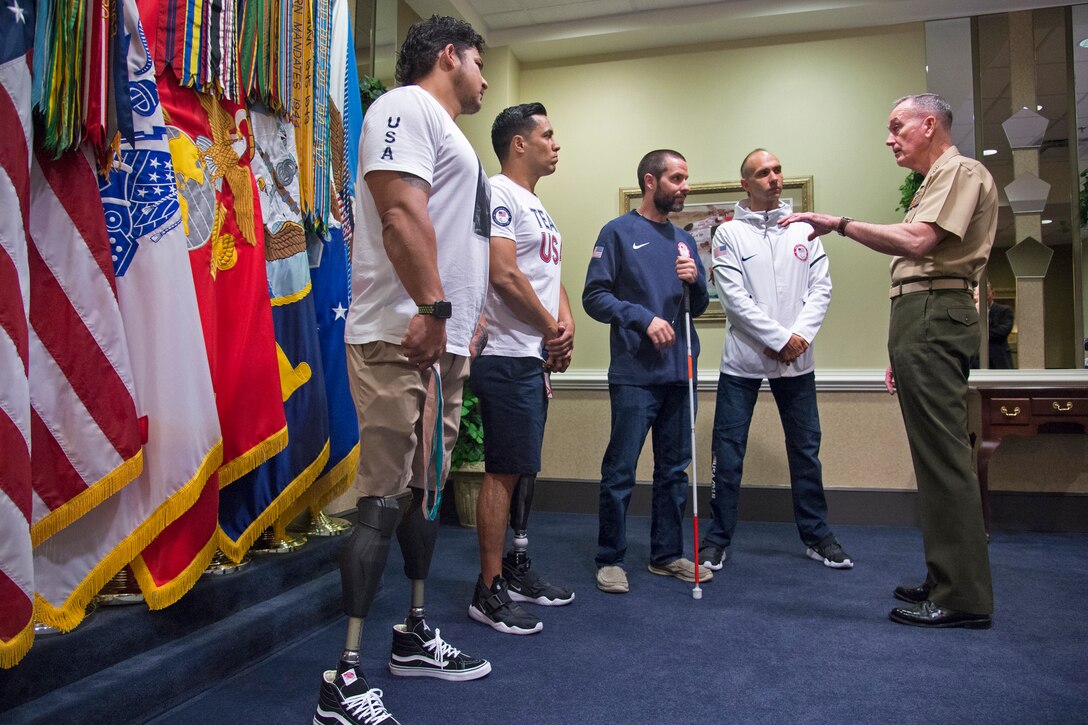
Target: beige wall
{"type": "Point", "coordinates": [864, 446]}
{"type": "Point", "coordinates": [578, 422]}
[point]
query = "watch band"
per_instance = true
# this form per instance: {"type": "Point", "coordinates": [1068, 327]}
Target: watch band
{"type": "Point", "coordinates": [843, 221]}
{"type": "Point", "coordinates": [439, 309]}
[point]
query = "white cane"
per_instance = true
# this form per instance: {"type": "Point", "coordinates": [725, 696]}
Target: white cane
{"type": "Point", "coordinates": [696, 591]}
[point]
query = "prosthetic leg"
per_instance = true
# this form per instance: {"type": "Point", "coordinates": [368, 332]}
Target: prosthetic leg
{"type": "Point", "coordinates": [362, 561]}
{"type": "Point", "coordinates": [419, 651]}
{"type": "Point", "coordinates": [523, 583]}
{"type": "Point", "coordinates": [520, 505]}
{"type": "Point", "coordinates": [416, 536]}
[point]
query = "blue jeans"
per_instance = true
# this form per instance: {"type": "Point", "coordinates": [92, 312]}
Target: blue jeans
{"type": "Point", "coordinates": [796, 399]}
{"type": "Point", "coordinates": [637, 409]}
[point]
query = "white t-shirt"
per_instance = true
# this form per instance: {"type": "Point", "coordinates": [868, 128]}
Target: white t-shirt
{"type": "Point", "coordinates": [516, 213]}
{"type": "Point", "coordinates": [407, 130]}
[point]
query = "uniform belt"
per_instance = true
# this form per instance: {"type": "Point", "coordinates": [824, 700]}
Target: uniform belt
{"type": "Point", "coordinates": [925, 285]}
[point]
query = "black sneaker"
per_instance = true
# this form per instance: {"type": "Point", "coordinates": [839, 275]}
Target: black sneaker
{"type": "Point", "coordinates": [830, 552]}
{"type": "Point", "coordinates": [347, 700]}
{"type": "Point", "coordinates": [524, 585]}
{"type": "Point", "coordinates": [421, 652]}
{"type": "Point", "coordinates": [496, 609]}
{"type": "Point", "coordinates": [712, 556]}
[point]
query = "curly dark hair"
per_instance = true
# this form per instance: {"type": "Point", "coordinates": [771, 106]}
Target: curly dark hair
{"type": "Point", "coordinates": [426, 39]}
{"type": "Point", "coordinates": [514, 121]}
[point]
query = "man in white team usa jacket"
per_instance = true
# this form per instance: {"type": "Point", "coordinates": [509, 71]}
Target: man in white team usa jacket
{"type": "Point", "coordinates": [775, 287]}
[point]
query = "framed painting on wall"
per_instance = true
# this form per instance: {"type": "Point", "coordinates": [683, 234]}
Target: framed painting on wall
{"type": "Point", "coordinates": [711, 204]}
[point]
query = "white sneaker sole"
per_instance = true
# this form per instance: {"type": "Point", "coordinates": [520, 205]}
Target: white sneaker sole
{"type": "Point", "coordinates": [543, 601]}
{"type": "Point", "coordinates": [817, 556]}
{"type": "Point", "coordinates": [448, 675]}
{"type": "Point", "coordinates": [501, 626]}
{"type": "Point", "coordinates": [713, 567]}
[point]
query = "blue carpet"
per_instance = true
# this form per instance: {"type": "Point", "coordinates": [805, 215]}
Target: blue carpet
{"type": "Point", "coordinates": [776, 638]}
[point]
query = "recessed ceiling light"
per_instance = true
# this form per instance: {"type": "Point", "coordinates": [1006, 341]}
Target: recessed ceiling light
{"type": "Point", "coordinates": [989, 152]}
{"type": "Point", "coordinates": [1047, 221]}
{"type": "Point", "coordinates": [1083, 43]}
{"type": "Point", "coordinates": [1038, 108]}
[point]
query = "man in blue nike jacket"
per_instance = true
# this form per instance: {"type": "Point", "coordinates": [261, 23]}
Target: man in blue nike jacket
{"type": "Point", "coordinates": [640, 270]}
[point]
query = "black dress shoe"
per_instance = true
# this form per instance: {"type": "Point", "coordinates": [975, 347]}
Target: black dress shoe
{"type": "Point", "coordinates": [914, 595]}
{"type": "Point", "coordinates": [928, 614]}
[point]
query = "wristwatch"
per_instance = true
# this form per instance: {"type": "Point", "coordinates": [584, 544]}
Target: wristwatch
{"type": "Point", "coordinates": [843, 221]}
{"type": "Point", "coordinates": [440, 310]}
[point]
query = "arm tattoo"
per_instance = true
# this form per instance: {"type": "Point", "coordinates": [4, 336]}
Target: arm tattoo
{"type": "Point", "coordinates": [415, 181]}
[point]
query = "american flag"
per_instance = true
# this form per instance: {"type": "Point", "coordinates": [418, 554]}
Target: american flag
{"type": "Point", "coordinates": [16, 567]}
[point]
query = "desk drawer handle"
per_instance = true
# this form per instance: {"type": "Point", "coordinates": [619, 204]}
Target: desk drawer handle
{"type": "Point", "coordinates": [1062, 408]}
{"type": "Point", "coordinates": [1015, 411]}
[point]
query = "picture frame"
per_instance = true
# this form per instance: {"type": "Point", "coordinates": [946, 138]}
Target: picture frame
{"type": "Point", "coordinates": [711, 204]}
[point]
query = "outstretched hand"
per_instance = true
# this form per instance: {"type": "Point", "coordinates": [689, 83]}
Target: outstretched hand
{"type": "Point", "coordinates": [821, 223]}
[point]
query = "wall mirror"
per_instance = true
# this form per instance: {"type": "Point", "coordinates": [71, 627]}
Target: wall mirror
{"type": "Point", "coordinates": [969, 61]}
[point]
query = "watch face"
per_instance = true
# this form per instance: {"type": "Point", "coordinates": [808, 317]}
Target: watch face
{"type": "Point", "coordinates": [443, 310]}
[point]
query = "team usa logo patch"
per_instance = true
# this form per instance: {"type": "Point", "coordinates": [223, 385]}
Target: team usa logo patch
{"type": "Point", "coordinates": [682, 250]}
{"type": "Point", "coordinates": [501, 216]}
{"type": "Point", "coordinates": [801, 252]}
{"type": "Point", "coordinates": [598, 252]}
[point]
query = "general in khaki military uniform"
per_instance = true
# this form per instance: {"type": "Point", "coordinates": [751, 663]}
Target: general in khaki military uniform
{"type": "Point", "coordinates": [934, 331]}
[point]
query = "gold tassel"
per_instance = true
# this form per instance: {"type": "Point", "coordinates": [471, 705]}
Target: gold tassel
{"type": "Point", "coordinates": [235, 550]}
{"type": "Point", "coordinates": [87, 499]}
{"type": "Point", "coordinates": [68, 615]}
{"type": "Point", "coordinates": [13, 650]}
{"type": "Point", "coordinates": [162, 597]}
{"type": "Point", "coordinates": [234, 469]}
{"type": "Point", "coordinates": [325, 489]}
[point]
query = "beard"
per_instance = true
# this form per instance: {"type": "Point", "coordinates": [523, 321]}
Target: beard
{"type": "Point", "coordinates": [467, 96]}
{"type": "Point", "coordinates": [470, 103]}
{"type": "Point", "coordinates": [667, 203]}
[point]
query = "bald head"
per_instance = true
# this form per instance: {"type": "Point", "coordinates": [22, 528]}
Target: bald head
{"type": "Point", "coordinates": [761, 177]}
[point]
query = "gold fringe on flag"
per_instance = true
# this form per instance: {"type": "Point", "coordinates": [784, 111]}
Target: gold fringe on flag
{"type": "Point", "coordinates": [162, 597]}
{"type": "Point", "coordinates": [68, 615]}
{"type": "Point", "coordinates": [87, 499]}
{"type": "Point", "coordinates": [324, 490]}
{"type": "Point", "coordinates": [235, 550]}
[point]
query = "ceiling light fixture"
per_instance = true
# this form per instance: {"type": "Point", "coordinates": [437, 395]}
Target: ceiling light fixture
{"type": "Point", "coordinates": [989, 152]}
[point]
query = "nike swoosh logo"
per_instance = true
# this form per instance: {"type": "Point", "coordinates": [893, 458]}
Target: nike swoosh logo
{"type": "Point", "coordinates": [745, 259]}
{"type": "Point", "coordinates": [639, 246]}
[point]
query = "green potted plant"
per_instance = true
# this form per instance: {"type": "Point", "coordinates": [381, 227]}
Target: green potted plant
{"type": "Point", "coordinates": [467, 459]}
{"type": "Point", "coordinates": [369, 89]}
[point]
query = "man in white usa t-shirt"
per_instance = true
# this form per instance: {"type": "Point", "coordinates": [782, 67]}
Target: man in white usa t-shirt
{"type": "Point", "coordinates": [530, 332]}
{"type": "Point", "coordinates": [419, 278]}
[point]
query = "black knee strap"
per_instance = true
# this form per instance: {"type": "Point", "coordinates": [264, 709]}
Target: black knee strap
{"type": "Point", "coordinates": [363, 556]}
{"type": "Point", "coordinates": [417, 536]}
{"type": "Point", "coordinates": [381, 513]}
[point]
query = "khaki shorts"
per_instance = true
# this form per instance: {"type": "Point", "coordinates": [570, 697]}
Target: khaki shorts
{"type": "Point", "coordinates": [396, 416]}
